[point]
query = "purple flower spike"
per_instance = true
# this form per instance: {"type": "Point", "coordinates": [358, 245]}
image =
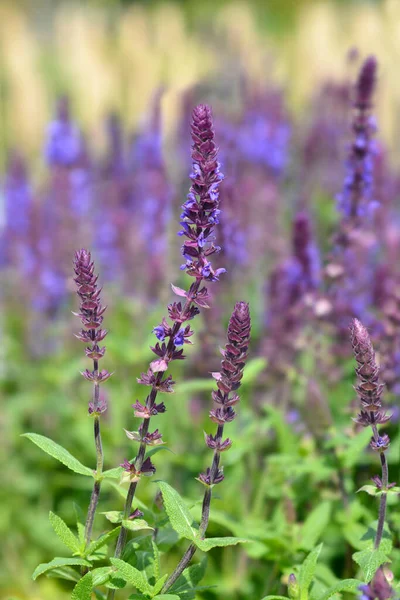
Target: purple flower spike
{"type": "Point", "coordinates": [356, 198]}
{"type": "Point", "coordinates": [91, 315]}
{"type": "Point", "coordinates": [228, 381]}
{"type": "Point", "coordinates": [200, 211]}
{"type": "Point", "coordinates": [369, 391]}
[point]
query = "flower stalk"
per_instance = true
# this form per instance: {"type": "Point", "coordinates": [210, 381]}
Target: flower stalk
{"type": "Point", "coordinates": [199, 216]}
{"type": "Point", "coordinates": [369, 390]}
{"type": "Point", "coordinates": [228, 382]}
{"type": "Point", "coordinates": [91, 315]}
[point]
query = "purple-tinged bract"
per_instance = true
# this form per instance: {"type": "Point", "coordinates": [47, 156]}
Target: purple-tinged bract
{"type": "Point", "coordinates": [228, 382]}
{"type": "Point", "coordinates": [91, 315]}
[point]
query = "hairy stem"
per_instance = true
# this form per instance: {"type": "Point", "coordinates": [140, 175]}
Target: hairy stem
{"type": "Point", "coordinates": [94, 499]}
{"type": "Point", "coordinates": [96, 487]}
{"type": "Point", "coordinates": [205, 516]}
{"type": "Point", "coordinates": [382, 504]}
{"type": "Point", "coordinates": [383, 500]}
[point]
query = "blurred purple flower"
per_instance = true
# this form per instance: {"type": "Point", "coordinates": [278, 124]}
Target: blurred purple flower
{"type": "Point", "coordinates": [64, 141]}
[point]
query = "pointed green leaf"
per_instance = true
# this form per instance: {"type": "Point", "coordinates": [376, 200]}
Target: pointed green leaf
{"type": "Point", "coordinates": [64, 533]}
{"type": "Point", "coordinates": [275, 598]}
{"type": "Point", "coordinates": [370, 560]}
{"type": "Point", "coordinates": [210, 543]}
{"type": "Point", "coordinates": [80, 520]}
{"type": "Point", "coordinates": [59, 453]}
{"type": "Point", "coordinates": [136, 525]}
{"type": "Point", "coordinates": [370, 489]}
{"type": "Point", "coordinates": [178, 514]}
{"type": "Point", "coordinates": [156, 561]}
{"type": "Point", "coordinates": [114, 516]}
{"type": "Point", "coordinates": [168, 597]}
{"type": "Point", "coordinates": [101, 575]}
{"type": "Point", "coordinates": [83, 589]}
{"type": "Point", "coordinates": [59, 562]}
{"type": "Point", "coordinates": [307, 571]}
{"type": "Point", "coordinates": [157, 587]}
{"type": "Point", "coordinates": [67, 573]}
{"type": "Point", "coordinates": [102, 541]}
{"type": "Point", "coordinates": [113, 473]}
{"type": "Point", "coordinates": [347, 585]}
{"type": "Point", "coordinates": [314, 525]}
{"type": "Point", "coordinates": [131, 575]}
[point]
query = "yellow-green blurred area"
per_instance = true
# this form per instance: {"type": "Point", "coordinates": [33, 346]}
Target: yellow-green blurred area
{"type": "Point", "coordinates": [109, 55]}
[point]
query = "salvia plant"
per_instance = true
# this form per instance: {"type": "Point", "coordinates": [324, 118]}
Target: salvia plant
{"type": "Point", "coordinates": [275, 505]}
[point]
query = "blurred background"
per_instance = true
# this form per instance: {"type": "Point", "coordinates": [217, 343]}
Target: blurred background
{"type": "Point", "coordinates": [95, 103]}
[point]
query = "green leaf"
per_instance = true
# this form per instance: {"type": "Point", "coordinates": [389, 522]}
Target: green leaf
{"type": "Point", "coordinates": [113, 473]}
{"type": "Point", "coordinates": [307, 571]}
{"type": "Point", "coordinates": [114, 516]}
{"type": "Point", "coordinates": [101, 575]}
{"type": "Point", "coordinates": [59, 453]}
{"type": "Point", "coordinates": [347, 585]}
{"type": "Point", "coordinates": [167, 597]}
{"type": "Point", "coordinates": [64, 533]}
{"type": "Point", "coordinates": [131, 575]}
{"type": "Point", "coordinates": [370, 560]}
{"type": "Point", "coordinates": [80, 519]}
{"type": "Point", "coordinates": [67, 573]}
{"type": "Point", "coordinates": [157, 449]}
{"type": "Point", "coordinates": [275, 598]}
{"type": "Point", "coordinates": [157, 587]}
{"type": "Point", "coordinates": [186, 585]}
{"type": "Point", "coordinates": [136, 525]}
{"type": "Point", "coordinates": [83, 589]}
{"type": "Point", "coordinates": [59, 562]}
{"type": "Point", "coordinates": [178, 514]}
{"type": "Point", "coordinates": [102, 541]}
{"type": "Point", "coordinates": [370, 489]}
{"type": "Point", "coordinates": [210, 543]}
{"type": "Point", "coordinates": [156, 562]}
{"type": "Point", "coordinates": [314, 525]}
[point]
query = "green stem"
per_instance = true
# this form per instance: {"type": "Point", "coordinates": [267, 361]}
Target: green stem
{"type": "Point", "coordinates": [205, 517]}
{"type": "Point", "coordinates": [94, 499]}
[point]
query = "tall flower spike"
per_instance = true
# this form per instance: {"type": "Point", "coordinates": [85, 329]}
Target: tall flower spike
{"type": "Point", "coordinates": [228, 382]}
{"type": "Point", "coordinates": [200, 211]}
{"type": "Point", "coordinates": [369, 390]}
{"type": "Point", "coordinates": [91, 315]}
{"type": "Point", "coordinates": [198, 220]}
{"type": "Point", "coordinates": [356, 197]}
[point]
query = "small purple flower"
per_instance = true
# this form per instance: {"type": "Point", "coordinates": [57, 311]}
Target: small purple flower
{"type": "Point", "coordinates": [179, 339]}
{"type": "Point", "coordinates": [159, 332]}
